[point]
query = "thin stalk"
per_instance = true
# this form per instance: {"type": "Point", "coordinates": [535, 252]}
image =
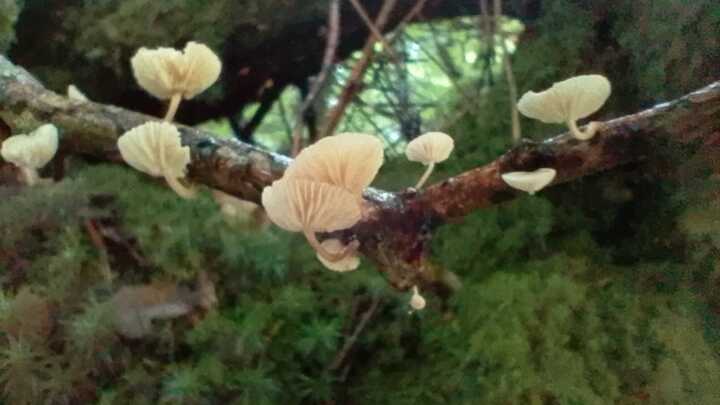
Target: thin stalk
{"type": "Point", "coordinates": [331, 257]}
{"type": "Point", "coordinates": [173, 107]}
{"type": "Point", "coordinates": [425, 175]}
{"type": "Point", "coordinates": [30, 176]}
{"type": "Point", "coordinates": [589, 132]}
{"type": "Point", "coordinates": [181, 190]}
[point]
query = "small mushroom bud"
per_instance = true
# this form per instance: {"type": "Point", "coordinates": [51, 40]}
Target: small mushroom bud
{"type": "Point", "coordinates": [567, 102]}
{"type": "Point", "coordinates": [167, 73]}
{"type": "Point", "coordinates": [429, 149]}
{"type": "Point", "coordinates": [154, 148]}
{"type": "Point", "coordinates": [530, 182]}
{"type": "Point", "coordinates": [74, 93]}
{"type": "Point", "coordinates": [31, 152]}
{"type": "Point", "coordinates": [235, 210]}
{"type": "Point", "coordinates": [300, 205]}
{"type": "Point", "coordinates": [334, 246]}
{"type": "Point", "coordinates": [417, 302]}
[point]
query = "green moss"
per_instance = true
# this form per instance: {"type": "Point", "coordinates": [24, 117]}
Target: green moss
{"type": "Point", "coordinates": [9, 11]}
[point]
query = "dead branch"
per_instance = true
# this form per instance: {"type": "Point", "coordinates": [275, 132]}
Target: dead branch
{"type": "Point", "coordinates": [350, 340]}
{"type": "Point", "coordinates": [397, 227]}
{"type": "Point", "coordinates": [374, 30]}
{"type": "Point", "coordinates": [327, 62]}
{"type": "Point", "coordinates": [354, 81]}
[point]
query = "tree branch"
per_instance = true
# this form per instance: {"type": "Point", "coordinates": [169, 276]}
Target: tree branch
{"type": "Point", "coordinates": [397, 227]}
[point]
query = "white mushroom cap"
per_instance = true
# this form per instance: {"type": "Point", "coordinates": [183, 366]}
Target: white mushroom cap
{"type": "Point", "coordinates": [349, 263]}
{"type": "Point", "coordinates": [417, 301]}
{"type": "Point", "coordinates": [569, 100]}
{"type": "Point", "coordinates": [233, 207]}
{"type": "Point", "coordinates": [155, 148]}
{"type": "Point", "coordinates": [348, 160]}
{"type": "Point", "coordinates": [32, 151]}
{"type": "Point", "coordinates": [295, 205]}
{"type": "Point", "coordinates": [164, 72]}
{"type": "Point", "coordinates": [530, 182]}
{"type": "Point", "coordinates": [74, 93]}
{"type": "Point", "coordinates": [431, 147]}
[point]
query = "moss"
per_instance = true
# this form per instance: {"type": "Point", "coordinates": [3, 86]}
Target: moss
{"type": "Point", "coordinates": [9, 11]}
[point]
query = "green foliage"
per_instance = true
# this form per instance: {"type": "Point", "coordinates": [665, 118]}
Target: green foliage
{"type": "Point", "coordinates": [596, 292]}
{"type": "Point", "coordinates": [9, 11]}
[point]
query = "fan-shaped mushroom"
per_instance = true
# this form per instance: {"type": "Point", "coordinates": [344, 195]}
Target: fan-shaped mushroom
{"type": "Point", "coordinates": [32, 151]}
{"type": "Point", "coordinates": [334, 246]}
{"type": "Point", "coordinates": [308, 206]}
{"type": "Point", "coordinates": [428, 149]}
{"type": "Point", "coordinates": [347, 160]}
{"type": "Point", "coordinates": [567, 102]}
{"type": "Point", "coordinates": [154, 148]}
{"type": "Point", "coordinates": [167, 73]}
{"type": "Point", "coordinates": [530, 182]}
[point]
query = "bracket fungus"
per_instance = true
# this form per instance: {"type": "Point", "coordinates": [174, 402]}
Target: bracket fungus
{"type": "Point", "coordinates": [302, 205]}
{"type": "Point", "coordinates": [335, 246]}
{"type": "Point", "coordinates": [429, 148]}
{"type": "Point", "coordinates": [567, 102]}
{"type": "Point", "coordinates": [155, 148]}
{"type": "Point", "coordinates": [32, 151]}
{"type": "Point", "coordinates": [530, 182]}
{"type": "Point", "coordinates": [167, 73]}
{"type": "Point", "coordinates": [347, 160]}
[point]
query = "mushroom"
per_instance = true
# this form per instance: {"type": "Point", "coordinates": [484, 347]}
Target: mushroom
{"type": "Point", "coordinates": [417, 302]}
{"type": "Point", "coordinates": [347, 160]}
{"type": "Point", "coordinates": [154, 148]}
{"type": "Point", "coordinates": [308, 206]}
{"type": "Point", "coordinates": [567, 102]}
{"type": "Point", "coordinates": [530, 182]}
{"type": "Point", "coordinates": [334, 246]}
{"type": "Point", "coordinates": [234, 209]}
{"type": "Point", "coordinates": [167, 73]}
{"type": "Point", "coordinates": [74, 93]}
{"type": "Point", "coordinates": [31, 152]}
{"type": "Point", "coordinates": [428, 149]}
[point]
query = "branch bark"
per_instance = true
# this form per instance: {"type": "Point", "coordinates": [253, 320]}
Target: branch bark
{"type": "Point", "coordinates": [397, 227]}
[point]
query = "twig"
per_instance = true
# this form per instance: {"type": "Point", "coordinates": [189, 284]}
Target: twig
{"type": "Point", "coordinates": [374, 30]}
{"type": "Point", "coordinates": [509, 76]}
{"type": "Point", "coordinates": [284, 119]}
{"type": "Point", "coordinates": [493, 30]}
{"type": "Point", "coordinates": [97, 240]}
{"type": "Point", "coordinates": [417, 9]}
{"type": "Point", "coordinates": [266, 103]}
{"type": "Point", "coordinates": [331, 44]}
{"type": "Point", "coordinates": [396, 227]}
{"type": "Point", "coordinates": [354, 81]}
{"type": "Point", "coordinates": [350, 341]}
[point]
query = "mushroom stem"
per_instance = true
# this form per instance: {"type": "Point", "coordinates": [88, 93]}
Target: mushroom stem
{"type": "Point", "coordinates": [331, 257]}
{"type": "Point", "coordinates": [181, 190]}
{"type": "Point", "coordinates": [30, 176]}
{"type": "Point", "coordinates": [589, 132]}
{"type": "Point", "coordinates": [425, 175]}
{"type": "Point", "coordinates": [173, 107]}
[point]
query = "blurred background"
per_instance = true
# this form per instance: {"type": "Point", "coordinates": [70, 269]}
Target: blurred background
{"type": "Point", "coordinates": [600, 291]}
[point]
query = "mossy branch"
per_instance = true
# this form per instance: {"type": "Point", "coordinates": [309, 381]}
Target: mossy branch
{"type": "Point", "coordinates": [397, 228]}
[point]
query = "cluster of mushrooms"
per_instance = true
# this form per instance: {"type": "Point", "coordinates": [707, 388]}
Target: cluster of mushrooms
{"type": "Point", "coordinates": [563, 103]}
{"type": "Point", "coordinates": [321, 191]}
